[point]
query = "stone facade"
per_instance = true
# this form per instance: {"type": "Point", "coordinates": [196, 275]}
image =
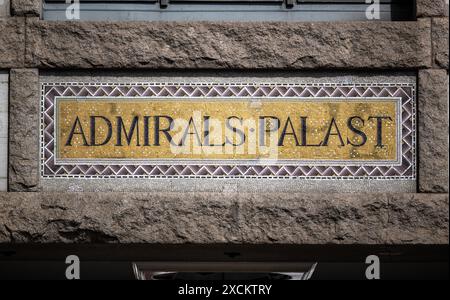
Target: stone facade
{"type": "Point", "coordinates": [432, 8]}
{"type": "Point", "coordinates": [433, 150]}
{"type": "Point", "coordinates": [220, 218]}
{"type": "Point", "coordinates": [24, 148]}
{"type": "Point", "coordinates": [440, 42]}
{"type": "Point", "coordinates": [206, 45]}
{"type": "Point", "coordinates": [433, 101]}
{"type": "Point", "coordinates": [242, 46]}
{"type": "Point", "coordinates": [12, 43]}
{"type": "Point", "coordinates": [29, 46]}
{"type": "Point", "coordinates": [26, 8]}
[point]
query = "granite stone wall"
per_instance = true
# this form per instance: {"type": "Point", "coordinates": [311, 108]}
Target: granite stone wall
{"type": "Point", "coordinates": [433, 101]}
{"type": "Point", "coordinates": [30, 46]}
{"type": "Point", "coordinates": [220, 218]}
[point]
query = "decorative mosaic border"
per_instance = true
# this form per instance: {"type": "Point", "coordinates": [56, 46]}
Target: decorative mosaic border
{"type": "Point", "coordinates": [405, 170]}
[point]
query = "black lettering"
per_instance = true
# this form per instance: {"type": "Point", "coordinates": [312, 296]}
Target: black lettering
{"type": "Point", "coordinates": [303, 125]}
{"type": "Point", "coordinates": [73, 132]}
{"type": "Point", "coordinates": [165, 130]}
{"type": "Point", "coordinates": [284, 133]}
{"type": "Point", "coordinates": [356, 131]}
{"type": "Point", "coordinates": [330, 133]}
{"type": "Point", "coordinates": [94, 130]}
{"type": "Point", "coordinates": [380, 129]}
{"type": "Point", "coordinates": [206, 133]}
{"type": "Point", "coordinates": [129, 135]}
{"type": "Point", "coordinates": [235, 130]}
{"type": "Point", "coordinates": [146, 131]}
{"type": "Point", "coordinates": [188, 132]}
{"type": "Point", "coordinates": [263, 130]}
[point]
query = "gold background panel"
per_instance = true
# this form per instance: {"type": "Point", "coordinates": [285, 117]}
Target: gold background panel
{"type": "Point", "coordinates": [319, 113]}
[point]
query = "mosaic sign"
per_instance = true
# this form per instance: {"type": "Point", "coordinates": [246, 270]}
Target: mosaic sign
{"type": "Point", "coordinates": [230, 130]}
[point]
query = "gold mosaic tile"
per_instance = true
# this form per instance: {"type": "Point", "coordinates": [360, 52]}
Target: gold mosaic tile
{"type": "Point", "coordinates": [221, 129]}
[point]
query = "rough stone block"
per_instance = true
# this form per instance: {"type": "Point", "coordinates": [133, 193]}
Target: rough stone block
{"type": "Point", "coordinates": [224, 218]}
{"type": "Point", "coordinates": [432, 8]}
{"type": "Point", "coordinates": [12, 42]}
{"type": "Point", "coordinates": [433, 131]}
{"type": "Point", "coordinates": [440, 42]}
{"type": "Point", "coordinates": [24, 130]}
{"type": "Point", "coordinates": [210, 45]}
{"type": "Point", "coordinates": [26, 7]}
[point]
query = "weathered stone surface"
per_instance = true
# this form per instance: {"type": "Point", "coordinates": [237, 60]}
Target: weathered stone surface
{"type": "Point", "coordinates": [216, 218]}
{"type": "Point", "coordinates": [432, 8]}
{"type": "Point", "coordinates": [24, 130]}
{"type": "Point", "coordinates": [406, 212]}
{"type": "Point", "coordinates": [12, 42]}
{"type": "Point", "coordinates": [440, 42]}
{"type": "Point", "coordinates": [433, 131]}
{"type": "Point", "coordinates": [26, 7]}
{"type": "Point", "coordinates": [207, 45]}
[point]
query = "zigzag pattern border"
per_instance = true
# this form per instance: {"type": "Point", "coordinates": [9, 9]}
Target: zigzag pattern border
{"type": "Point", "coordinates": [49, 169]}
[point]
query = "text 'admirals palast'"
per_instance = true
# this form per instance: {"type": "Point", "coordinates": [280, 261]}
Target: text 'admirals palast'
{"type": "Point", "coordinates": [202, 129]}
